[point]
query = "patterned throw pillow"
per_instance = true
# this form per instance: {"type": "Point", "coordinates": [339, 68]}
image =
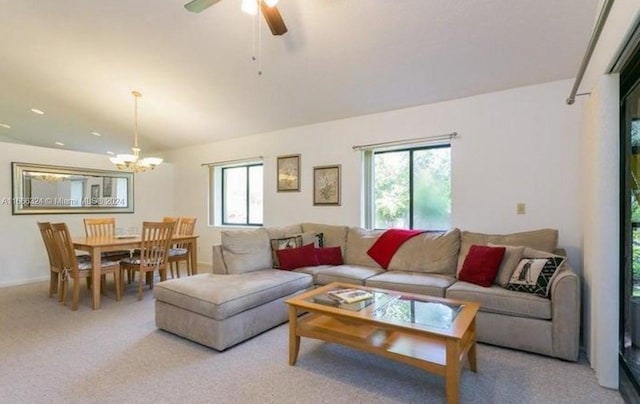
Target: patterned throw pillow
{"type": "Point", "coordinates": [281, 244]}
{"type": "Point", "coordinates": [534, 275]}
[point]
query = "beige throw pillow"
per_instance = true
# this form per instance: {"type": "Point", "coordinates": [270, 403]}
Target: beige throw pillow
{"type": "Point", "coordinates": [511, 259]}
{"type": "Point", "coordinates": [429, 252]}
{"type": "Point", "coordinates": [246, 250]}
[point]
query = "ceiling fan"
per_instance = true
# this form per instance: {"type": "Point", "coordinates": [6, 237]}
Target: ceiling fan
{"type": "Point", "coordinates": [267, 7]}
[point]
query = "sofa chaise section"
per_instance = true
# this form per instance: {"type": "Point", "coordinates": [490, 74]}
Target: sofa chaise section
{"type": "Point", "coordinates": [220, 311]}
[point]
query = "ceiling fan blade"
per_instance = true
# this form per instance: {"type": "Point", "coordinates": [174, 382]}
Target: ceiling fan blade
{"type": "Point", "coordinates": [196, 6]}
{"type": "Point", "coordinates": [274, 19]}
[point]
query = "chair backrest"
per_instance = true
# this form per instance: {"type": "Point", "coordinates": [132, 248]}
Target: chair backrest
{"type": "Point", "coordinates": [46, 231]}
{"type": "Point", "coordinates": [186, 226]}
{"type": "Point", "coordinates": [156, 240]}
{"type": "Point", "coordinates": [100, 227]}
{"type": "Point", "coordinates": [176, 220]}
{"type": "Point", "coordinates": [64, 244]}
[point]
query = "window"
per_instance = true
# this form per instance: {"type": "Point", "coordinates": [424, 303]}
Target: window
{"type": "Point", "coordinates": [409, 188]}
{"type": "Point", "coordinates": [237, 194]}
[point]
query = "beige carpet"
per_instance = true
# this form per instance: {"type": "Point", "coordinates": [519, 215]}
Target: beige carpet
{"type": "Point", "coordinates": [49, 354]}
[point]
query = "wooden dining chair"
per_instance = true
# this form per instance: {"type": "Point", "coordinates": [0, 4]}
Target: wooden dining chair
{"type": "Point", "coordinates": [55, 264]}
{"type": "Point", "coordinates": [176, 220]}
{"type": "Point", "coordinates": [154, 249]}
{"type": "Point", "coordinates": [179, 252]}
{"type": "Point", "coordinates": [74, 269]}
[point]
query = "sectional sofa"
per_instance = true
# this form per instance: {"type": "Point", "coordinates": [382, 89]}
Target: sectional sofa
{"type": "Point", "coordinates": [244, 295]}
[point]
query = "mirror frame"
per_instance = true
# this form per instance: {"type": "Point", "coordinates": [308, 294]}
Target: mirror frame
{"type": "Point", "coordinates": [18, 195]}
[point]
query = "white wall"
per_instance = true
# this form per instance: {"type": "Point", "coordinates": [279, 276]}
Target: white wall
{"type": "Point", "coordinates": [601, 194]}
{"type": "Point", "coordinates": [22, 254]}
{"type": "Point", "coordinates": [601, 215]}
{"type": "Point", "coordinates": [519, 145]}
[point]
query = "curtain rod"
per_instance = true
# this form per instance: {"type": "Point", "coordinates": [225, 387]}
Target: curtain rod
{"type": "Point", "coordinates": [219, 163]}
{"type": "Point", "coordinates": [446, 136]}
{"type": "Point", "coordinates": [595, 35]}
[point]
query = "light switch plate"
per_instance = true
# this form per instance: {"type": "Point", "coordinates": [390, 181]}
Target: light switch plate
{"type": "Point", "coordinates": [520, 208]}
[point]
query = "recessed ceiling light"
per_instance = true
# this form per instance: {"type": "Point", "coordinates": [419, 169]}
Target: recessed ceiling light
{"type": "Point", "coordinates": [110, 153]}
{"type": "Point", "coordinates": [60, 143]}
{"type": "Point", "coordinates": [37, 111]}
{"type": "Point", "coordinates": [96, 134]}
{"type": "Point", "coordinates": [6, 126]}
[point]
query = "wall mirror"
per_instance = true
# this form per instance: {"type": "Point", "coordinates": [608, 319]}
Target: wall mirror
{"type": "Point", "coordinates": [45, 189]}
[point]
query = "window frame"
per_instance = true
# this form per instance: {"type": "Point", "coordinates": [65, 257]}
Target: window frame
{"type": "Point", "coordinates": [247, 167]}
{"type": "Point", "coordinates": [369, 178]}
{"type": "Point", "coordinates": [215, 194]}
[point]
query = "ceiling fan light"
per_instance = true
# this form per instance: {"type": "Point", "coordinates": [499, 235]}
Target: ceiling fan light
{"type": "Point", "coordinates": [271, 3]}
{"type": "Point", "coordinates": [249, 7]}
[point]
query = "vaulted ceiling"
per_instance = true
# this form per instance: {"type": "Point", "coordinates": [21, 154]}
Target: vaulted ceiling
{"type": "Point", "coordinates": [79, 60]}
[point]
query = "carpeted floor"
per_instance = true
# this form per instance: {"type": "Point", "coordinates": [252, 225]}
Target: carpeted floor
{"type": "Point", "coordinates": [49, 354]}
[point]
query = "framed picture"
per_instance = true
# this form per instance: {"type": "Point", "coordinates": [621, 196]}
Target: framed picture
{"type": "Point", "coordinates": [326, 185]}
{"type": "Point", "coordinates": [289, 173]}
{"type": "Point", "coordinates": [95, 194]}
{"type": "Point", "coordinates": [106, 187]}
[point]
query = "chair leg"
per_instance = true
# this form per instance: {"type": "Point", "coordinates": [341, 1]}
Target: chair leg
{"type": "Point", "coordinates": [116, 279]}
{"type": "Point", "coordinates": [62, 296]}
{"type": "Point", "coordinates": [53, 284]}
{"type": "Point", "coordinates": [76, 294]}
{"type": "Point", "coordinates": [103, 284]}
{"type": "Point", "coordinates": [189, 265]}
{"type": "Point", "coordinates": [171, 268]}
{"type": "Point", "coordinates": [140, 279]}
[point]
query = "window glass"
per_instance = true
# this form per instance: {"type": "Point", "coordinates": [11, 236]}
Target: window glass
{"type": "Point", "coordinates": [234, 195]}
{"type": "Point", "coordinates": [412, 188]}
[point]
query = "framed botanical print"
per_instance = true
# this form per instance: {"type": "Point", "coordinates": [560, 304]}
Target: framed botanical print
{"type": "Point", "coordinates": [289, 173]}
{"type": "Point", "coordinates": [326, 185]}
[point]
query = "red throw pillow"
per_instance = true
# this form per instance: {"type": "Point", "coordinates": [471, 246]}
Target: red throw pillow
{"type": "Point", "coordinates": [481, 265]}
{"type": "Point", "coordinates": [329, 256]}
{"type": "Point", "coordinates": [292, 258]}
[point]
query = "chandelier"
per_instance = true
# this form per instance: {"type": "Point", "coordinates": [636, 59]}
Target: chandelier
{"type": "Point", "coordinates": [133, 162]}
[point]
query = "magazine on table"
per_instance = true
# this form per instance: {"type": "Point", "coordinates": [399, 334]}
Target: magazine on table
{"type": "Point", "coordinates": [350, 295]}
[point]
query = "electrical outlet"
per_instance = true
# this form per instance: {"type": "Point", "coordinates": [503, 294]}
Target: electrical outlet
{"type": "Point", "coordinates": [520, 208]}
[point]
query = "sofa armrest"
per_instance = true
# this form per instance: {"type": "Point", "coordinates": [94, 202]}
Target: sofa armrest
{"type": "Point", "coordinates": [218, 265]}
{"type": "Point", "coordinates": [565, 314]}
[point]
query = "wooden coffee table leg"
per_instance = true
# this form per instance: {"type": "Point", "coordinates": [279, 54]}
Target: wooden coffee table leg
{"type": "Point", "coordinates": [471, 354]}
{"type": "Point", "coordinates": [452, 378]}
{"type": "Point", "coordinates": [294, 339]}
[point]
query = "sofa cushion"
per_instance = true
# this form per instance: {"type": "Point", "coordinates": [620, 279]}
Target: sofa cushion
{"type": "Point", "coordinates": [481, 265]}
{"type": "Point", "coordinates": [222, 296]}
{"type": "Point", "coordinates": [284, 231]}
{"type": "Point", "coordinates": [496, 299]}
{"type": "Point", "coordinates": [512, 256]}
{"type": "Point", "coordinates": [543, 239]}
{"type": "Point", "coordinates": [412, 282]}
{"type": "Point", "coordinates": [329, 256]}
{"type": "Point", "coordinates": [353, 274]}
{"type": "Point", "coordinates": [313, 271]}
{"type": "Point", "coordinates": [535, 275]}
{"type": "Point", "coordinates": [246, 250]}
{"type": "Point", "coordinates": [431, 252]}
{"type": "Point", "coordinates": [333, 236]}
{"type": "Point", "coordinates": [283, 244]}
{"type": "Point", "coordinates": [292, 258]}
{"type": "Point", "coordinates": [359, 241]}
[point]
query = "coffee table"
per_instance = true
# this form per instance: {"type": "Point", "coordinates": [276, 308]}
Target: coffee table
{"type": "Point", "coordinates": [433, 334]}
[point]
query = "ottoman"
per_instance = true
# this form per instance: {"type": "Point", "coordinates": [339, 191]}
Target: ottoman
{"type": "Point", "coordinates": [220, 311]}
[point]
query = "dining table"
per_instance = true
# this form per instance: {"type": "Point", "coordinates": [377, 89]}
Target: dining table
{"type": "Point", "coordinates": [96, 245]}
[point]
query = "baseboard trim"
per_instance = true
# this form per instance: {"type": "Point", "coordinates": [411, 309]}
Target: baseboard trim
{"type": "Point", "coordinates": [203, 267]}
{"type": "Point", "coordinates": [23, 282]}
